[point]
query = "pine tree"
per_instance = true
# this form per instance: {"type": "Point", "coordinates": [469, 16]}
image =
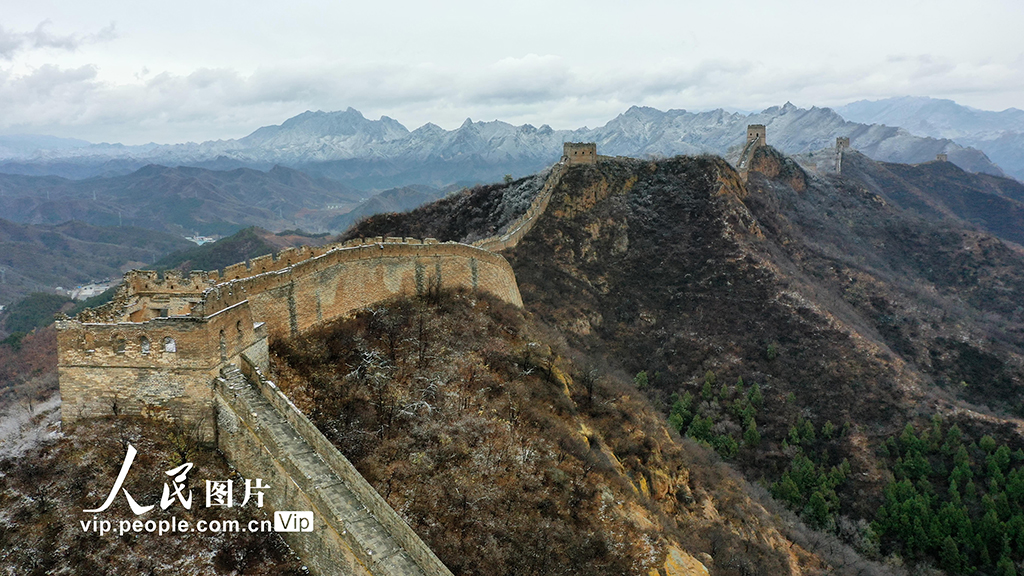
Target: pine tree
{"type": "Point", "coordinates": [1005, 567]}
{"type": "Point", "coordinates": [950, 558]}
{"type": "Point", "coordinates": [640, 380]}
{"type": "Point", "coordinates": [754, 395]}
{"type": "Point", "coordinates": [752, 438]}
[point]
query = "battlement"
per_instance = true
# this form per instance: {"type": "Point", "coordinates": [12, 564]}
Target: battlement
{"type": "Point", "coordinates": [843, 143]}
{"type": "Point", "coordinates": [579, 153]}
{"type": "Point", "coordinates": [171, 282]}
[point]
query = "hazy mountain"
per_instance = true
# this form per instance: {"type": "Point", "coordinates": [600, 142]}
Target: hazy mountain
{"type": "Point", "coordinates": [934, 117]}
{"type": "Point", "coordinates": [29, 145]}
{"type": "Point", "coordinates": [394, 200]}
{"type": "Point", "coordinates": [378, 154]}
{"type": "Point", "coordinates": [239, 247]}
{"type": "Point", "coordinates": [180, 200]}
{"type": "Point", "coordinates": [41, 257]}
{"type": "Point", "coordinates": [1000, 135]}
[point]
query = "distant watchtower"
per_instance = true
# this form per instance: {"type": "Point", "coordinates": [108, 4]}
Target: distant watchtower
{"type": "Point", "coordinates": [942, 157]}
{"type": "Point", "coordinates": [842, 145]}
{"type": "Point", "coordinates": [757, 133]}
{"type": "Point", "coordinates": [579, 153]}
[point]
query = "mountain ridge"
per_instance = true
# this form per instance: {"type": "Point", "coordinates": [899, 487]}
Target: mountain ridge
{"type": "Point", "coordinates": [1000, 135]}
{"type": "Point", "coordinates": [379, 154]}
{"type": "Point", "coordinates": [181, 200]}
{"type": "Point", "coordinates": [852, 304]}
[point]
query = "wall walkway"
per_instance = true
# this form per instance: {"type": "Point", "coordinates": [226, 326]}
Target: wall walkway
{"type": "Point", "coordinates": [748, 151]}
{"type": "Point", "coordinates": [355, 531]}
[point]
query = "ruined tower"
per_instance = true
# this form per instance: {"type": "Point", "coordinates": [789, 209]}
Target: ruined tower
{"type": "Point", "coordinates": [579, 153]}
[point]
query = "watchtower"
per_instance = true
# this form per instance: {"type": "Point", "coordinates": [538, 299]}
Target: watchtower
{"type": "Point", "coordinates": [579, 153]}
{"type": "Point", "coordinates": [756, 133]}
{"type": "Point", "coordinates": [842, 144]}
{"type": "Point", "coordinates": [942, 157]}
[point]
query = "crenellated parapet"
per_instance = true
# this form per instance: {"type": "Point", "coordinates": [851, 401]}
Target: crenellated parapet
{"type": "Point", "coordinates": [154, 349]}
{"type": "Point", "coordinates": [170, 282]}
{"type": "Point", "coordinates": [358, 273]}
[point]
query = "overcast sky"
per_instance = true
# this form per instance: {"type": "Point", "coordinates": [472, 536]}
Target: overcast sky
{"type": "Point", "coordinates": [136, 72]}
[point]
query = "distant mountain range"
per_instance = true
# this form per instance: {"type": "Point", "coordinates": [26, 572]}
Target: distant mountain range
{"type": "Point", "coordinates": [380, 154]}
{"type": "Point", "coordinates": [182, 200]}
{"type": "Point", "coordinates": [1000, 135]}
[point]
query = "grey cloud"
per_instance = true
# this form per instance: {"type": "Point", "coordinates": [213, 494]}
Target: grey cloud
{"type": "Point", "coordinates": [13, 42]}
{"type": "Point", "coordinates": [49, 79]}
{"type": "Point", "coordinates": [531, 78]}
{"type": "Point", "coordinates": [10, 42]}
{"type": "Point", "coordinates": [211, 103]}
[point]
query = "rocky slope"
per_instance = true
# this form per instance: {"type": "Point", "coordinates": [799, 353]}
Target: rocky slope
{"type": "Point", "coordinates": [941, 190]}
{"type": "Point", "coordinates": [854, 310]}
{"type": "Point", "coordinates": [509, 458]}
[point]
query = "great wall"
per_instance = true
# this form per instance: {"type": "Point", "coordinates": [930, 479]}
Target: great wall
{"type": "Point", "coordinates": [194, 350]}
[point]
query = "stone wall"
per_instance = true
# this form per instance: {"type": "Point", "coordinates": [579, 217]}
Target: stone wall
{"type": "Point", "coordinates": [355, 530]}
{"type": "Point", "coordinates": [522, 225]}
{"type": "Point", "coordinates": [116, 358]}
{"type": "Point", "coordinates": [358, 274]}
